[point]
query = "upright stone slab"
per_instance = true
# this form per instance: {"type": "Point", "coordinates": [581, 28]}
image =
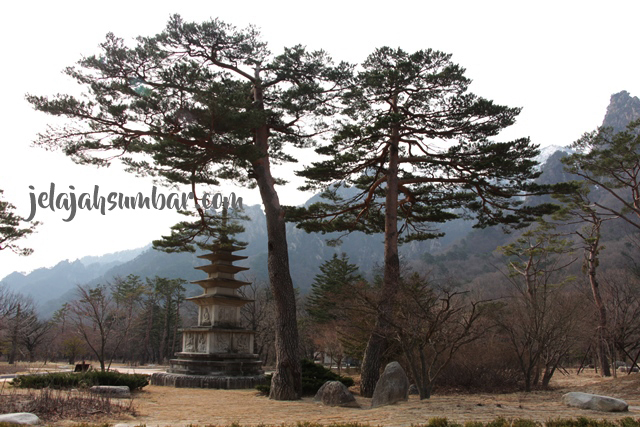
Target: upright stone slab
{"type": "Point", "coordinates": [392, 387]}
{"type": "Point", "coordinates": [218, 352]}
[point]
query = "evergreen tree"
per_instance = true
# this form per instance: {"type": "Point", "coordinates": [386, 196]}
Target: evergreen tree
{"type": "Point", "coordinates": [416, 144]}
{"type": "Point", "coordinates": [10, 230]}
{"type": "Point", "coordinates": [336, 275]}
{"type": "Point", "coordinates": [196, 104]}
{"type": "Point", "coordinates": [611, 162]}
{"type": "Point", "coordinates": [579, 208]}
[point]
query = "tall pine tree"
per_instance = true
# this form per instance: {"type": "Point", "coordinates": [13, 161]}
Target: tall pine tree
{"type": "Point", "coordinates": [416, 144]}
{"type": "Point", "coordinates": [196, 104]}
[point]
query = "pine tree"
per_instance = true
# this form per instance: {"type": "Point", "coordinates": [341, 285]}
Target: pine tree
{"type": "Point", "coordinates": [416, 144]}
{"type": "Point", "coordinates": [196, 104]}
{"type": "Point", "coordinates": [332, 284]}
{"type": "Point", "coordinates": [10, 230]}
{"type": "Point", "coordinates": [611, 161]}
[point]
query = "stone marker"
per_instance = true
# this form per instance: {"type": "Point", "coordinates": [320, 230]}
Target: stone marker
{"type": "Point", "coordinates": [334, 393]}
{"type": "Point", "coordinates": [20, 418]}
{"type": "Point", "coordinates": [594, 402]}
{"type": "Point", "coordinates": [392, 387]}
{"type": "Point", "coordinates": [119, 391]}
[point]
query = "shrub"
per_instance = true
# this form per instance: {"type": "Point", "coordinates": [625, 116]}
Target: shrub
{"type": "Point", "coordinates": [313, 376]}
{"type": "Point", "coordinates": [68, 380]}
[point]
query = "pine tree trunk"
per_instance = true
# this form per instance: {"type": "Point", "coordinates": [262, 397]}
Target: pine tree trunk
{"type": "Point", "coordinates": [592, 264]}
{"type": "Point", "coordinates": [377, 343]}
{"type": "Point", "coordinates": [287, 378]}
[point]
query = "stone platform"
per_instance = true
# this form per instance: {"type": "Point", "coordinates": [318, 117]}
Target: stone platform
{"type": "Point", "coordinates": [207, 381]}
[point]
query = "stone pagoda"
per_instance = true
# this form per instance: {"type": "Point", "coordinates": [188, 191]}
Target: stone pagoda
{"type": "Point", "coordinates": [218, 352]}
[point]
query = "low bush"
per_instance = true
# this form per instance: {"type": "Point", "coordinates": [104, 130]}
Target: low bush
{"type": "Point", "coordinates": [313, 376]}
{"type": "Point", "coordinates": [68, 380]}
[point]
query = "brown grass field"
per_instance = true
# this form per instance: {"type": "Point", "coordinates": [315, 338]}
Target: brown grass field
{"type": "Point", "coordinates": [167, 406]}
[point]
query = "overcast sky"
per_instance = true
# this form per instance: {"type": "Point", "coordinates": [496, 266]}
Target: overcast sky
{"type": "Point", "coordinates": [559, 60]}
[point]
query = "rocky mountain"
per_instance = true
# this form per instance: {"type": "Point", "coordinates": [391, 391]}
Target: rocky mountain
{"type": "Point", "coordinates": [622, 109]}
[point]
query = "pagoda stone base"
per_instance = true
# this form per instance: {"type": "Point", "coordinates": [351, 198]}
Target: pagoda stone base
{"type": "Point", "coordinates": [223, 371]}
{"type": "Point", "coordinates": [221, 364]}
{"type": "Point", "coordinates": [207, 381]}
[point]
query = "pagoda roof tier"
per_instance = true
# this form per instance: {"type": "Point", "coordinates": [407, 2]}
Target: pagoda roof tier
{"type": "Point", "coordinates": [220, 282]}
{"type": "Point", "coordinates": [224, 268]}
{"type": "Point", "coordinates": [217, 247]}
{"type": "Point", "coordinates": [220, 299]}
{"type": "Point", "coordinates": [224, 256]}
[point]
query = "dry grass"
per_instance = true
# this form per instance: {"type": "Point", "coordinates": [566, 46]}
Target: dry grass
{"type": "Point", "coordinates": [163, 406]}
{"type": "Point", "coordinates": [167, 406]}
{"type": "Point", "coordinates": [54, 405]}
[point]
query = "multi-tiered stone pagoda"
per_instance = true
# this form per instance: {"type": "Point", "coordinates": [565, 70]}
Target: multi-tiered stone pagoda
{"type": "Point", "coordinates": [218, 352]}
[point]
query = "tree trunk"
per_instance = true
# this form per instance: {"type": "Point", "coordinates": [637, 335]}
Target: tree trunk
{"type": "Point", "coordinates": [14, 337]}
{"type": "Point", "coordinates": [592, 264]}
{"type": "Point", "coordinates": [147, 354]}
{"type": "Point", "coordinates": [165, 329]}
{"type": "Point", "coordinates": [287, 378]}
{"type": "Point", "coordinates": [548, 373]}
{"type": "Point", "coordinates": [377, 343]}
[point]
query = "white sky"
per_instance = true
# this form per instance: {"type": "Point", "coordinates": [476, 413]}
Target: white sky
{"type": "Point", "coordinates": [560, 60]}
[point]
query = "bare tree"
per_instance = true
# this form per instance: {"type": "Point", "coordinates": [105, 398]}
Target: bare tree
{"type": "Point", "coordinates": [101, 321]}
{"type": "Point", "coordinates": [431, 325]}
{"type": "Point", "coordinates": [622, 297]}
{"type": "Point", "coordinates": [259, 316]}
{"type": "Point", "coordinates": [537, 317]}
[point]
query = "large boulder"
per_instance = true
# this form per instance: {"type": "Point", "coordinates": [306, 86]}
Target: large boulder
{"type": "Point", "coordinates": [392, 387]}
{"type": "Point", "coordinates": [334, 393]}
{"type": "Point", "coordinates": [20, 418]}
{"type": "Point", "coordinates": [594, 402]}
{"type": "Point", "coordinates": [119, 391]}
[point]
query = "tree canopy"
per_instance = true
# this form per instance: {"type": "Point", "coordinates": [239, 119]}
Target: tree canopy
{"type": "Point", "coordinates": [611, 162]}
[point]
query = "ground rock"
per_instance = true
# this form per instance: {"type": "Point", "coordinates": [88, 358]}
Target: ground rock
{"type": "Point", "coordinates": [392, 387]}
{"type": "Point", "coordinates": [595, 402]}
{"type": "Point", "coordinates": [20, 418]}
{"type": "Point", "coordinates": [111, 390]}
{"type": "Point", "coordinates": [334, 393]}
